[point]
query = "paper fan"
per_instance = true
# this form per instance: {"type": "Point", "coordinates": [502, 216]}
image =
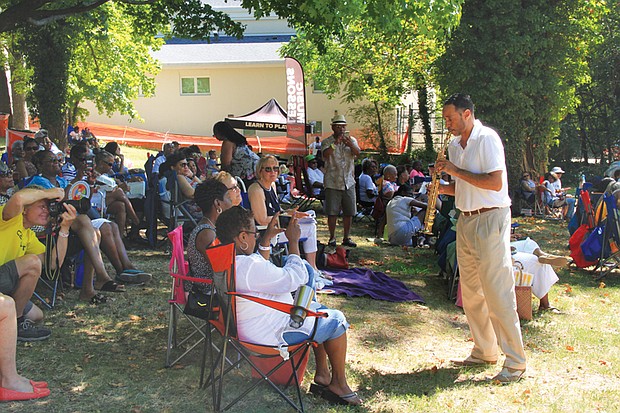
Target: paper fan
{"type": "Point", "coordinates": [79, 190]}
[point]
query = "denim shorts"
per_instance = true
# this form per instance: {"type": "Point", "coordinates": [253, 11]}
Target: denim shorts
{"type": "Point", "coordinates": [328, 328]}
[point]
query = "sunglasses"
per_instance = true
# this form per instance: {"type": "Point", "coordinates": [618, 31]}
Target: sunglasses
{"type": "Point", "coordinates": [110, 164]}
{"type": "Point", "coordinates": [184, 165]}
{"type": "Point", "coordinates": [271, 169]}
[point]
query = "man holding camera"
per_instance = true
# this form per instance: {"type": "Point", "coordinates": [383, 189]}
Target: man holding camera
{"type": "Point", "coordinates": [22, 254]}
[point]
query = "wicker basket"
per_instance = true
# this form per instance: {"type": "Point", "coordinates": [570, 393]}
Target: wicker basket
{"type": "Point", "coordinates": [524, 302]}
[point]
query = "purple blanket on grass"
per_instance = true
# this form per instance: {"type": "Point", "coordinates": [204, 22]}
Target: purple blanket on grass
{"type": "Point", "coordinates": [356, 282]}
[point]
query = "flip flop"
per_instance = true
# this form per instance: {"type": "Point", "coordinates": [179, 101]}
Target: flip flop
{"type": "Point", "coordinates": [112, 287]}
{"type": "Point", "coordinates": [7, 395]}
{"type": "Point", "coordinates": [344, 400]}
{"type": "Point", "coordinates": [98, 299]}
{"type": "Point", "coordinates": [317, 389]}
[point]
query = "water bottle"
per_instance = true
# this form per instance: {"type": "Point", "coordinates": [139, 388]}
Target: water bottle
{"type": "Point", "coordinates": [583, 180]}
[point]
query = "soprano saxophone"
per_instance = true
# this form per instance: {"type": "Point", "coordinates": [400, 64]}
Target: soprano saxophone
{"type": "Point", "coordinates": [433, 191]}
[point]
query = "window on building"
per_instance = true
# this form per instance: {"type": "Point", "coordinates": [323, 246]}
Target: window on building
{"type": "Point", "coordinates": [317, 126]}
{"type": "Point", "coordinates": [195, 86]}
{"type": "Point", "coordinates": [318, 87]}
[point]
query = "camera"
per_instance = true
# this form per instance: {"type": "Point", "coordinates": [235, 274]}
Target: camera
{"type": "Point", "coordinates": [57, 207]}
{"type": "Point", "coordinates": [90, 163]}
{"type": "Point", "coordinates": [284, 220]}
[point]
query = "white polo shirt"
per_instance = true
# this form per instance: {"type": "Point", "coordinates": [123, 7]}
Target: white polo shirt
{"type": "Point", "coordinates": [484, 153]}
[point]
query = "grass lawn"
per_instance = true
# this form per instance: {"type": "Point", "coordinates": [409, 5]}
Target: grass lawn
{"type": "Point", "coordinates": [110, 358]}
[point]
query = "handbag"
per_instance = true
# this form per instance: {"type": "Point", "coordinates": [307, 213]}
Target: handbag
{"type": "Point", "coordinates": [199, 304]}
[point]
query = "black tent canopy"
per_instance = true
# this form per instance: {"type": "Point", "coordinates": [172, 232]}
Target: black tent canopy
{"type": "Point", "coordinates": [270, 116]}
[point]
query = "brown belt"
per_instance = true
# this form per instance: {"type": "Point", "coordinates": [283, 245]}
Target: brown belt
{"type": "Point", "coordinates": [478, 211]}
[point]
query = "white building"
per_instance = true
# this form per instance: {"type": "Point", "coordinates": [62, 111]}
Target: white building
{"type": "Point", "coordinates": [201, 83]}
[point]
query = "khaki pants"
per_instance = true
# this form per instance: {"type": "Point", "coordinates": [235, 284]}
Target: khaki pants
{"type": "Point", "coordinates": [487, 286]}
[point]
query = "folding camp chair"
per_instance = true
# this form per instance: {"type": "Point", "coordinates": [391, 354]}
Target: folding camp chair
{"type": "Point", "coordinates": [174, 205]}
{"type": "Point", "coordinates": [542, 209]}
{"type": "Point", "coordinates": [610, 253]}
{"type": "Point", "coordinates": [267, 362]}
{"type": "Point", "coordinates": [49, 279]}
{"type": "Point", "coordinates": [306, 198]}
{"type": "Point", "coordinates": [200, 329]}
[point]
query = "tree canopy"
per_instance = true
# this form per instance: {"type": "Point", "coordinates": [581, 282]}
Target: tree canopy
{"type": "Point", "coordinates": [521, 63]}
{"type": "Point", "coordinates": [378, 54]}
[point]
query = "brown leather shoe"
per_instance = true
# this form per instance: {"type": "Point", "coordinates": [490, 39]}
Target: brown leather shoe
{"type": "Point", "coordinates": [472, 361]}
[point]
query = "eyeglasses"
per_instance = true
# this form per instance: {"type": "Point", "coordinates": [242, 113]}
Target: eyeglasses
{"type": "Point", "coordinates": [110, 164]}
{"type": "Point", "coordinates": [270, 169]}
{"type": "Point", "coordinates": [234, 188]}
{"type": "Point", "coordinates": [6, 174]}
{"type": "Point", "coordinates": [52, 160]}
{"type": "Point", "coordinates": [256, 233]}
{"type": "Point", "coordinates": [31, 148]}
{"type": "Point", "coordinates": [184, 165]}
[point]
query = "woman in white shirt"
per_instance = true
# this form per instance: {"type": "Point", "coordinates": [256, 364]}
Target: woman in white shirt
{"type": "Point", "coordinates": [257, 276]}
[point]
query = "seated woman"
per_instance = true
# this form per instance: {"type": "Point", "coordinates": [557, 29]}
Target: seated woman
{"type": "Point", "coordinates": [232, 185]}
{"type": "Point", "coordinates": [539, 264]}
{"type": "Point", "coordinates": [24, 167]}
{"type": "Point", "coordinates": [117, 203]}
{"type": "Point", "coordinates": [14, 387]}
{"type": "Point", "coordinates": [118, 166]}
{"type": "Point", "coordinates": [257, 276]}
{"type": "Point", "coordinates": [264, 204]}
{"type": "Point", "coordinates": [405, 216]}
{"type": "Point", "coordinates": [213, 198]}
{"type": "Point", "coordinates": [185, 179]}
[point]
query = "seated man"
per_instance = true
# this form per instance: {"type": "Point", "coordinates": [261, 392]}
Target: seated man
{"type": "Point", "coordinates": [527, 187]}
{"type": "Point", "coordinates": [22, 254]}
{"type": "Point", "coordinates": [315, 175]}
{"type": "Point", "coordinates": [368, 189]}
{"type": "Point", "coordinates": [405, 217]}
{"type": "Point", "coordinates": [14, 387]}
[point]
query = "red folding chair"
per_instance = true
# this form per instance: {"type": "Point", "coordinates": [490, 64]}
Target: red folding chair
{"type": "Point", "coordinates": [200, 329]}
{"type": "Point", "coordinates": [272, 368]}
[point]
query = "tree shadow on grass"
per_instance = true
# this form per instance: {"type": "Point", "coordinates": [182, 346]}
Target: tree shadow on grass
{"type": "Point", "coordinates": [422, 382]}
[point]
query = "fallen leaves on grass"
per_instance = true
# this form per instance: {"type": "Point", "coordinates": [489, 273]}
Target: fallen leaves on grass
{"type": "Point", "coordinates": [601, 285]}
{"type": "Point", "coordinates": [134, 317]}
{"type": "Point", "coordinates": [568, 288]}
{"type": "Point", "coordinates": [365, 262]}
{"type": "Point", "coordinates": [603, 362]}
{"type": "Point", "coordinates": [570, 348]}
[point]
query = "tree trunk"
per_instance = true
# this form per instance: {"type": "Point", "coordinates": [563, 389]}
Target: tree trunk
{"type": "Point", "coordinates": [583, 137]}
{"type": "Point", "coordinates": [382, 144]}
{"type": "Point", "coordinates": [5, 100]}
{"type": "Point", "coordinates": [19, 120]}
{"type": "Point", "coordinates": [425, 118]}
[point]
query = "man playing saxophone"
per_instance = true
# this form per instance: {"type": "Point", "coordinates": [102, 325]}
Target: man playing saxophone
{"type": "Point", "coordinates": [478, 168]}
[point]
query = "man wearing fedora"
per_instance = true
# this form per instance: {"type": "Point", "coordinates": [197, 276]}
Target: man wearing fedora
{"type": "Point", "coordinates": [339, 153]}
